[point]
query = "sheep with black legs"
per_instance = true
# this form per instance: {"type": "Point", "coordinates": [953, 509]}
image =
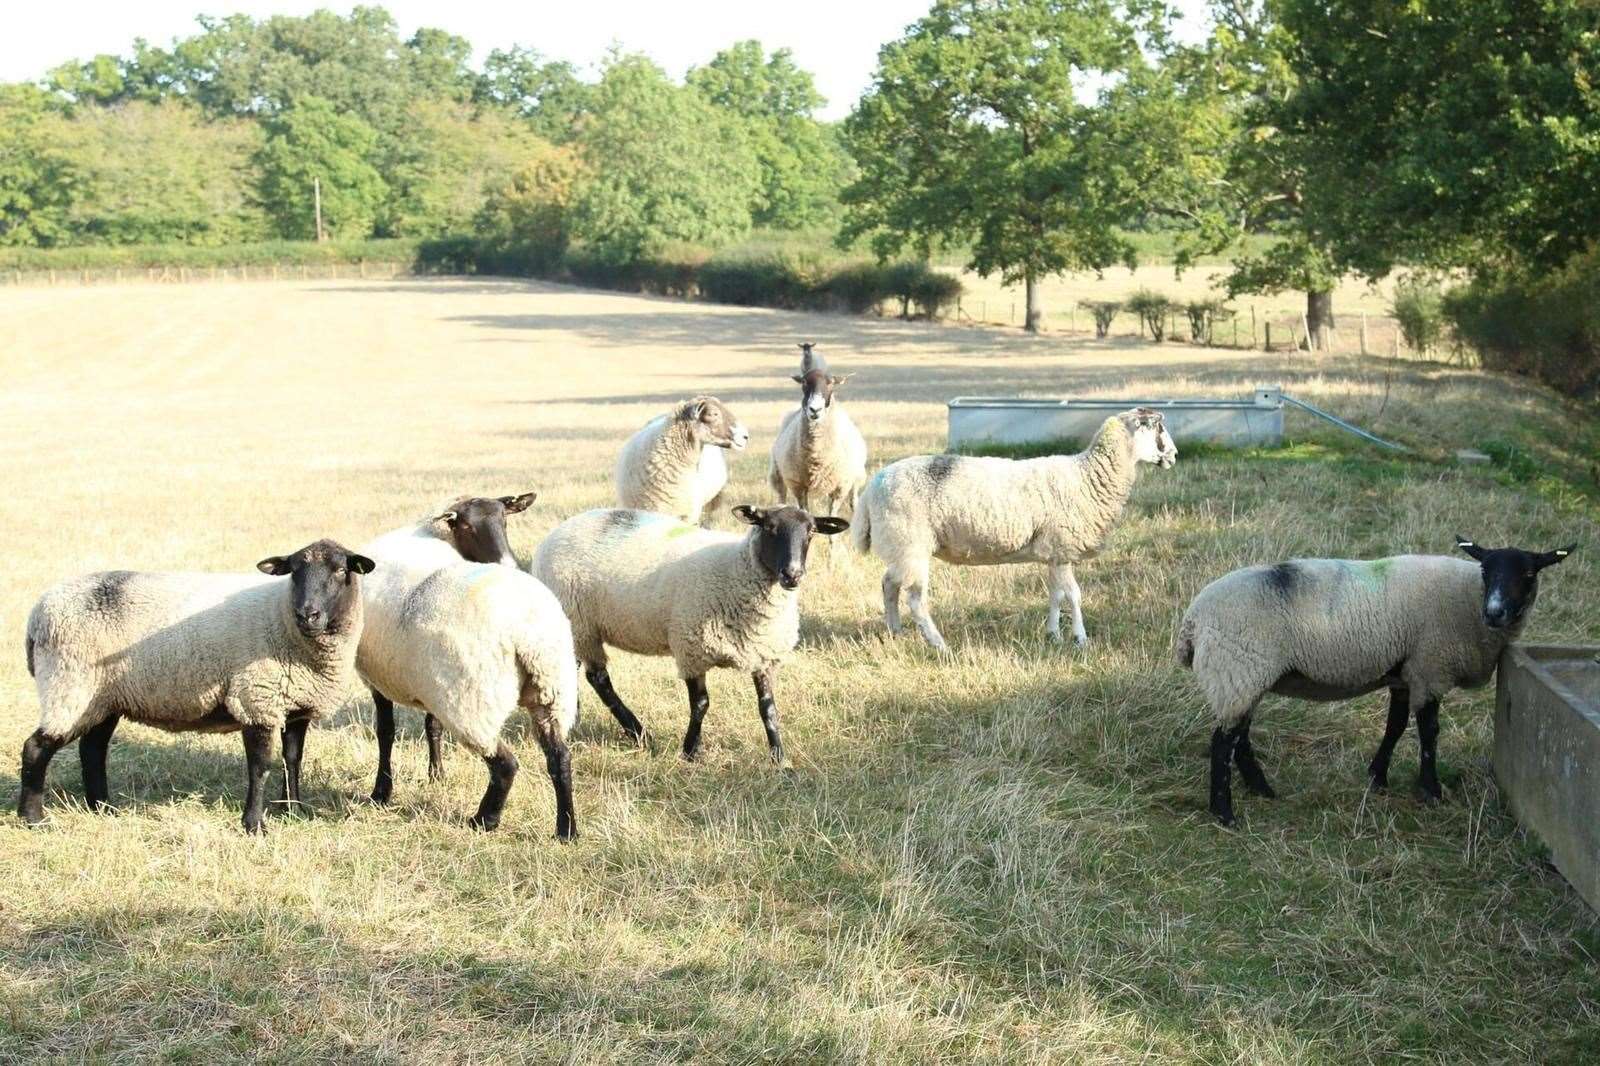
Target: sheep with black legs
{"type": "Point", "coordinates": [1334, 629]}
{"type": "Point", "coordinates": [674, 464]}
{"type": "Point", "coordinates": [819, 453]}
{"type": "Point", "coordinates": [652, 585]}
{"type": "Point", "coordinates": [469, 643]}
{"type": "Point", "coordinates": [980, 511]}
{"type": "Point", "coordinates": [193, 652]}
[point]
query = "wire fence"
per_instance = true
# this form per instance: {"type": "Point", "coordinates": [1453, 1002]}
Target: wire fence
{"type": "Point", "coordinates": [184, 274]}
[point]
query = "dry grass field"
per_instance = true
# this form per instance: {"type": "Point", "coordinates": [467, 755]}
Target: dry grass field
{"type": "Point", "coordinates": [1001, 856]}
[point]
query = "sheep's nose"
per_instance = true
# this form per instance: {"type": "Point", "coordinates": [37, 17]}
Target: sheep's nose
{"type": "Point", "coordinates": [309, 617]}
{"type": "Point", "coordinates": [790, 577]}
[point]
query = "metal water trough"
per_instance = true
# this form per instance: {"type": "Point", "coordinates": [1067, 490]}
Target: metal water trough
{"type": "Point", "coordinates": [1547, 753]}
{"type": "Point", "coordinates": [1253, 423]}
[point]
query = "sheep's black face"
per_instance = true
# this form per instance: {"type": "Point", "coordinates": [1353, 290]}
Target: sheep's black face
{"type": "Point", "coordinates": [785, 537]}
{"type": "Point", "coordinates": [714, 424]}
{"type": "Point", "coordinates": [323, 588]}
{"type": "Point", "coordinates": [816, 392]}
{"type": "Point", "coordinates": [1510, 579]}
{"type": "Point", "coordinates": [477, 526]}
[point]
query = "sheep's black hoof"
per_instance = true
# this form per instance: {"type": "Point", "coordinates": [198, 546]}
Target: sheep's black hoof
{"type": "Point", "coordinates": [567, 834]}
{"type": "Point", "coordinates": [484, 823]}
{"type": "Point", "coordinates": [1260, 788]}
{"type": "Point", "coordinates": [1379, 784]}
{"type": "Point", "coordinates": [255, 826]}
{"type": "Point", "coordinates": [435, 774]}
{"type": "Point", "coordinates": [380, 799]}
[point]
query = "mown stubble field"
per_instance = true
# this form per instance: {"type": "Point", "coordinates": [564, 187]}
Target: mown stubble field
{"type": "Point", "coordinates": [1003, 855]}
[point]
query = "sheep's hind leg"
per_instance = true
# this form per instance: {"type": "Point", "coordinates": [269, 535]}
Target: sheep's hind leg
{"type": "Point", "coordinates": [891, 603]}
{"type": "Point", "coordinates": [502, 775]}
{"type": "Point", "coordinates": [916, 602]}
{"type": "Point", "coordinates": [1244, 756]}
{"type": "Point", "coordinates": [1222, 741]}
{"type": "Point", "coordinates": [558, 761]}
{"type": "Point", "coordinates": [435, 733]}
{"type": "Point", "coordinates": [294, 748]}
{"type": "Point", "coordinates": [767, 704]}
{"type": "Point", "coordinates": [92, 755]}
{"type": "Point", "coordinates": [699, 703]}
{"type": "Point", "coordinates": [37, 751]}
{"type": "Point", "coordinates": [257, 753]}
{"type": "Point", "coordinates": [383, 726]}
{"type": "Point", "coordinates": [600, 680]}
{"type": "Point", "coordinates": [1428, 740]}
{"type": "Point", "coordinates": [1399, 714]}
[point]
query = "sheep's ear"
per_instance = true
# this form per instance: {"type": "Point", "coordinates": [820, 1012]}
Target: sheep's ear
{"type": "Point", "coordinates": [1470, 548]}
{"type": "Point", "coordinates": [359, 563]}
{"type": "Point", "coordinates": [277, 566]}
{"type": "Point", "coordinates": [827, 525]}
{"type": "Point", "coordinates": [838, 380]}
{"type": "Point", "coordinates": [746, 513]}
{"type": "Point", "coordinates": [445, 516]}
{"type": "Point", "coordinates": [519, 503]}
{"type": "Point", "coordinates": [798, 379]}
{"type": "Point", "coordinates": [1545, 559]}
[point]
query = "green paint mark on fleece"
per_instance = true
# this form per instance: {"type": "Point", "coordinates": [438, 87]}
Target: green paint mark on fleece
{"type": "Point", "coordinates": [678, 531]}
{"type": "Point", "coordinates": [1376, 571]}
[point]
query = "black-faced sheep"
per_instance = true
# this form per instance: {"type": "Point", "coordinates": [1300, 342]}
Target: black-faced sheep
{"type": "Point", "coordinates": [193, 652]}
{"type": "Point", "coordinates": [650, 584]}
{"type": "Point", "coordinates": [1333, 629]}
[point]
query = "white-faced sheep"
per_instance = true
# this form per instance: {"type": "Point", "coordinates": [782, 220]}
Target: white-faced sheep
{"type": "Point", "coordinates": [1333, 629]}
{"type": "Point", "coordinates": [193, 652]}
{"type": "Point", "coordinates": [651, 585]}
{"type": "Point", "coordinates": [819, 453]}
{"type": "Point", "coordinates": [974, 511]}
{"type": "Point", "coordinates": [470, 643]}
{"type": "Point", "coordinates": [674, 465]}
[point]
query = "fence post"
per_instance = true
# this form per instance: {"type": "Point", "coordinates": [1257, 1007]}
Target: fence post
{"type": "Point", "coordinates": [1267, 347]}
{"type": "Point", "coordinates": [1363, 333]}
{"type": "Point", "coordinates": [1013, 319]}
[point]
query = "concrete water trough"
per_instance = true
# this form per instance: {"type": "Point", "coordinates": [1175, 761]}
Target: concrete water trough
{"type": "Point", "coordinates": [1249, 423]}
{"type": "Point", "coordinates": [1547, 753]}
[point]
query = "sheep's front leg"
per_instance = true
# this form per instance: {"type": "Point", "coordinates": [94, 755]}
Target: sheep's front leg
{"type": "Point", "coordinates": [435, 733]}
{"type": "Point", "coordinates": [502, 775]}
{"type": "Point", "coordinates": [917, 604]}
{"type": "Point", "coordinates": [1428, 741]}
{"type": "Point", "coordinates": [257, 754]}
{"type": "Point", "coordinates": [383, 726]}
{"type": "Point", "coordinates": [699, 703]}
{"type": "Point", "coordinates": [767, 704]}
{"type": "Point", "coordinates": [294, 747]}
{"type": "Point", "coordinates": [1064, 585]}
{"type": "Point", "coordinates": [600, 681]}
{"type": "Point", "coordinates": [37, 751]}
{"type": "Point", "coordinates": [1399, 714]}
{"type": "Point", "coordinates": [92, 755]}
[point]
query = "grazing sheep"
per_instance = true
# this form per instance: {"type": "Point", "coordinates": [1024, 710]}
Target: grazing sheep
{"type": "Point", "coordinates": [192, 652]}
{"type": "Point", "coordinates": [819, 452]}
{"type": "Point", "coordinates": [982, 511]}
{"type": "Point", "coordinates": [674, 465]}
{"type": "Point", "coordinates": [469, 643]}
{"type": "Point", "coordinates": [470, 528]}
{"type": "Point", "coordinates": [651, 585]}
{"type": "Point", "coordinates": [1334, 629]}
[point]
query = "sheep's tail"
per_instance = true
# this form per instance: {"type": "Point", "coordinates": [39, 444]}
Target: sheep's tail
{"type": "Point", "coordinates": [1183, 645]}
{"type": "Point", "coordinates": [549, 676]}
{"type": "Point", "coordinates": [861, 521]}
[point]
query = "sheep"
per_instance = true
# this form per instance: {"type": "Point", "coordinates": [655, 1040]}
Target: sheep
{"type": "Point", "coordinates": [819, 451]}
{"type": "Point", "coordinates": [469, 643]}
{"type": "Point", "coordinates": [193, 652]}
{"type": "Point", "coordinates": [1334, 629]}
{"type": "Point", "coordinates": [974, 511]}
{"type": "Point", "coordinates": [652, 585]}
{"type": "Point", "coordinates": [470, 528]}
{"type": "Point", "coordinates": [674, 465]}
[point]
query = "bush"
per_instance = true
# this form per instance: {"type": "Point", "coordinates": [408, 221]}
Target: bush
{"type": "Point", "coordinates": [1418, 307]}
{"type": "Point", "coordinates": [1152, 309]}
{"type": "Point", "coordinates": [1203, 318]}
{"type": "Point", "coordinates": [1546, 327]}
{"type": "Point", "coordinates": [1104, 312]}
{"type": "Point", "coordinates": [195, 257]}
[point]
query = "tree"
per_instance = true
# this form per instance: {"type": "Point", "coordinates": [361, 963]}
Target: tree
{"type": "Point", "coordinates": [155, 173]}
{"type": "Point", "coordinates": [1447, 133]}
{"type": "Point", "coordinates": [450, 159]}
{"type": "Point", "coordinates": [803, 166]}
{"type": "Point", "coordinates": [663, 166]}
{"type": "Point", "coordinates": [37, 179]}
{"type": "Point", "coordinates": [973, 131]}
{"type": "Point", "coordinates": [535, 205]}
{"type": "Point", "coordinates": [314, 141]}
{"type": "Point", "coordinates": [547, 94]}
